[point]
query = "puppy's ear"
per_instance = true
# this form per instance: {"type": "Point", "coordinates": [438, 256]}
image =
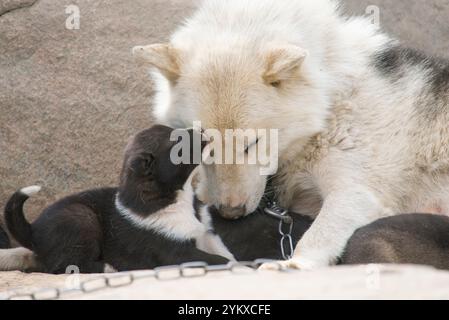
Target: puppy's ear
{"type": "Point", "coordinates": [146, 164]}
{"type": "Point", "coordinates": [283, 63]}
{"type": "Point", "coordinates": [163, 57]}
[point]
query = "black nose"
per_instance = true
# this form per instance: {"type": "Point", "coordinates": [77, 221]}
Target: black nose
{"type": "Point", "coordinates": [232, 213]}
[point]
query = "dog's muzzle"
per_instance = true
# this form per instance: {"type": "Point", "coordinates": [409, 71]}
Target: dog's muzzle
{"type": "Point", "coordinates": [231, 213]}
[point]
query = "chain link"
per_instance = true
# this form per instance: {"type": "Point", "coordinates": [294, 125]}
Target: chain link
{"type": "Point", "coordinates": [286, 243]}
{"type": "Point", "coordinates": [169, 273]}
{"type": "Point", "coordinates": [285, 228]}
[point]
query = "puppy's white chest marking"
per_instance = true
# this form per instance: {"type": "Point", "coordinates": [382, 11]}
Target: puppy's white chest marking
{"type": "Point", "coordinates": [178, 222]}
{"type": "Point", "coordinates": [175, 222]}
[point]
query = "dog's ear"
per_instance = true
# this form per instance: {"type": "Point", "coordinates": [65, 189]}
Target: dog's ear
{"type": "Point", "coordinates": [283, 63]}
{"type": "Point", "coordinates": [163, 57]}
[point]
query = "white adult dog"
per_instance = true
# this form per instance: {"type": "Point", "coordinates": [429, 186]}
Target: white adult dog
{"type": "Point", "coordinates": [363, 123]}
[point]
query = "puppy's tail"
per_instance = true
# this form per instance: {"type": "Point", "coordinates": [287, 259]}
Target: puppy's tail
{"type": "Point", "coordinates": [15, 220]}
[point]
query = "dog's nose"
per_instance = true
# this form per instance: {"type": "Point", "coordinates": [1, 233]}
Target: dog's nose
{"type": "Point", "coordinates": [232, 213]}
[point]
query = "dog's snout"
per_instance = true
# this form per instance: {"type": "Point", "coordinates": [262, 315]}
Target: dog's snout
{"type": "Point", "coordinates": [232, 213]}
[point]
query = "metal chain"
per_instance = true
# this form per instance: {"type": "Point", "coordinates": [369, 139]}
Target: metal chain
{"type": "Point", "coordinates": [287, 248]}
{"type": "Point", "coordinates": [285, 228]}
{"type": "Point", "coordinates": [169, 273]}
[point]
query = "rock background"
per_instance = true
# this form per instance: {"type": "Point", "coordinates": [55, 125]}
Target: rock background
{"type": "Point", "coordinates": [69, 99]}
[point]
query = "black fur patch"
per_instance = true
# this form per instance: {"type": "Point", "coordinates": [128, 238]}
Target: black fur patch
{"type": "Point", "coordinates": [4, 239]}
{"type": "Point", "coordinates": [440, 80]}
{"type": "Point", "coordinates": [435, 102]}
{"type": "Point", "coordinates": [394, 63]}
{"type": "Point", "coordinates": [197, 206]}
{"type": "Point", "coordinates": [15, 220]}
{"type": "Point", "coordinates": [256, 236]}
{"type": "Point", "coordinates": [391, 62]}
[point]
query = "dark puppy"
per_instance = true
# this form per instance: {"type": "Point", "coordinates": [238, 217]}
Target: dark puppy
{"type": "Point", "coordinates": [403, 239]}
{"type": "Point", "coordinates": [148, 221]}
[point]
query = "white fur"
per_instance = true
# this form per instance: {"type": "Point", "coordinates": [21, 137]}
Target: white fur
{"type": "Point", "coordinates": [109, 269]}
{"type": "Point", "coordinates": [210, 242]}
{"type": "Point", "coordinates": [176, 222]}
{"type": "Point", "coordinates": [17, 259]}
{"type": "Point", "coordinates": [30, 191]}
{"type": "Point", "coordinates": [354, 146]}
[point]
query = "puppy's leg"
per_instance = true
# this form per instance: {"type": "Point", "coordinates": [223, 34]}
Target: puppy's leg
{"type": "Point", "coordinates": [192, 254]}
{"type": "Point", "coordinates": [71, 244]}
{"type": "Point", "coordinates": [78, 254]}
{"type": "Point", "coordinates": [343, 212]}
{"type": "Point", "coordinates": [18, 259]}
{"type": "Point", "coordinates": [210, 259]}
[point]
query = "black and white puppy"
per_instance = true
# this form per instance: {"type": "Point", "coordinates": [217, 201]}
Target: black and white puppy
{"type": "Point", "coordinates": [148, 221]}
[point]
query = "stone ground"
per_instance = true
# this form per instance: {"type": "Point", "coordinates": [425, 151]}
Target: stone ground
{"type": "Point", "coordinates": [69, 99]}
{"type": "Point", "coordinates": [358, 282]}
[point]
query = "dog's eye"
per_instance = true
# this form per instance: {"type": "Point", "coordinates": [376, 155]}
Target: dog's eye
{"type": "Point", "coordinates": [276, 84]}
{"type": "Point", "coordinates": [251, 145]}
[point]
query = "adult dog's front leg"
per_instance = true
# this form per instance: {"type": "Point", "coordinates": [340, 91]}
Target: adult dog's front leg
{"type": "Point", "coordinates": [343, 212]}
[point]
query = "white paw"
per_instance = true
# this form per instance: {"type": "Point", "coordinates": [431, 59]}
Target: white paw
{"type": "Point", "coordinates": [295, 264]}
{"type": "Point", "coordinates": [109, 269]}
{"type": "Point", "coordinates": [273, 266]}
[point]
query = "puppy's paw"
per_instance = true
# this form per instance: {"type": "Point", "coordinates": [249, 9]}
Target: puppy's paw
{"type": "Point", "coordinates": [293, 264]}
{"type": "Point", "coordinates": [274, 266]}
{"type": "Point", "coordinates": [109, 269]}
